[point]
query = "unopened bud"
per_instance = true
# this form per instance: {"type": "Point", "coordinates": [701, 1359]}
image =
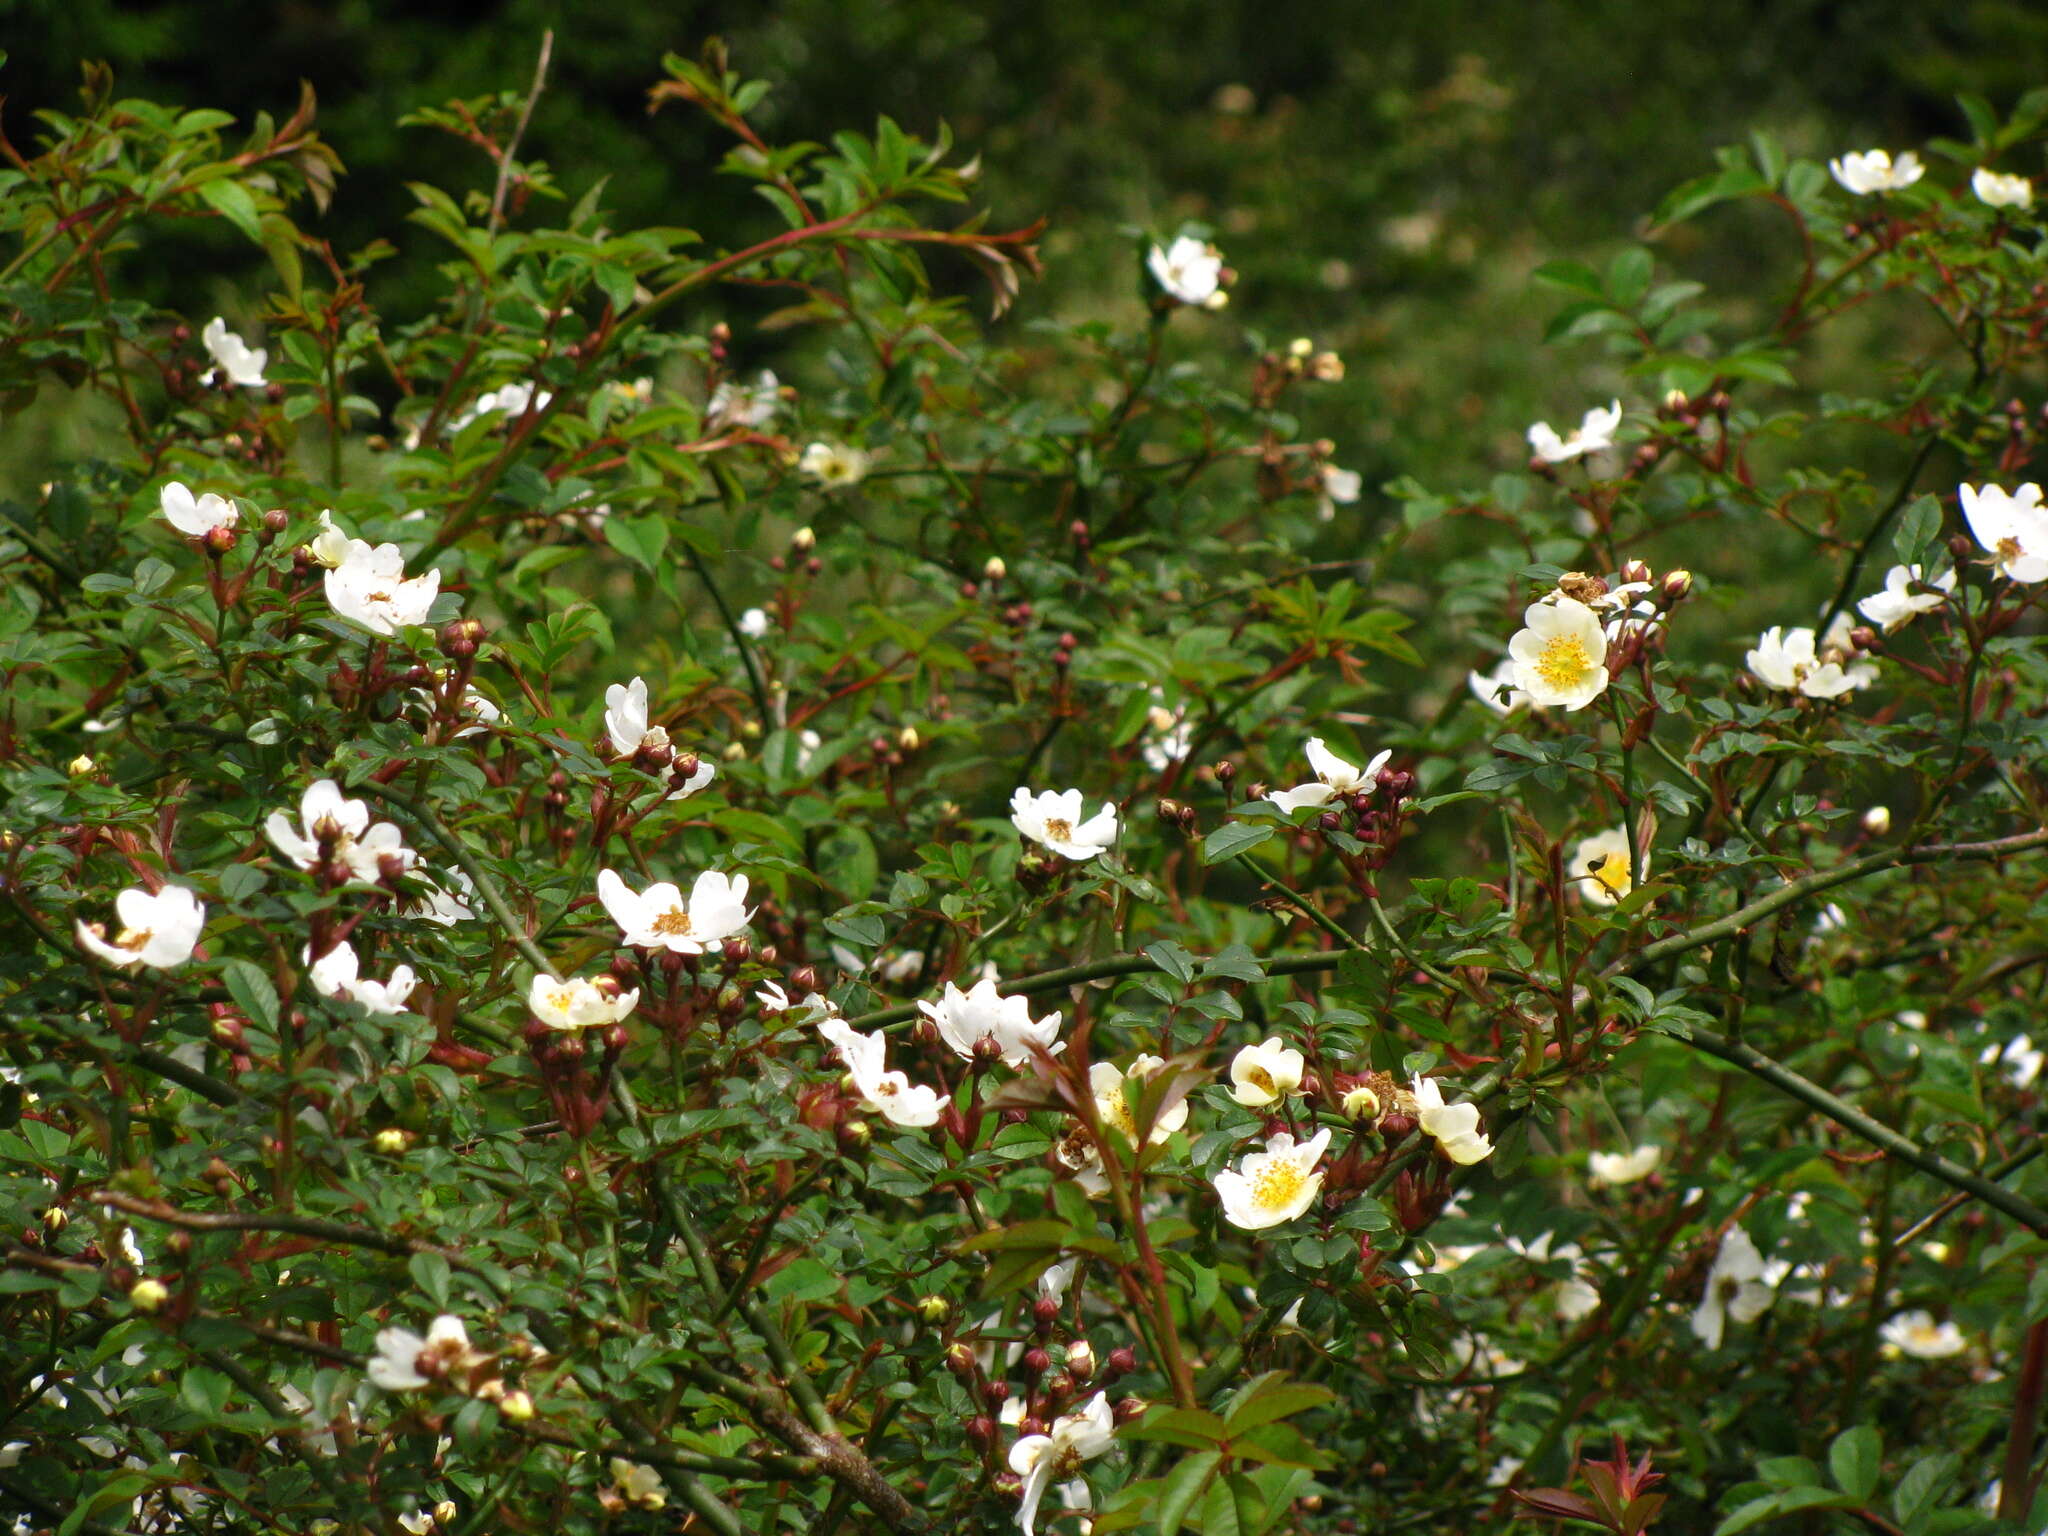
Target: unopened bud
{"type": "Point", "coordinates": [446, 1512]}
{"type": "Point", "coordinates": [391, 1141]}
{"type": "Point", "coordinates": [220, 540]}
{"type": "Point", "coordinates": [275, 521]}
{"type": "Point", "coordinates": [1037, 1362]}
{"type": "Point", "coordinates": [994, 569]}
{"type": "Point", "coordinates": [1045, 1309]}
{"type": "Point", "coordinates": [1676, 585]}
{"type": "Point", "coordinates": [1129, 1408]}
{"type": "Point", "coordinates": [1301, 346]}
{"type": "Point", "coordinates": [148, 1295]}
{"type": "Point", "coordinates": [1633, 571]}
{"type": "Point", "coordinates": [803, 541]}
{"type": "Point", "coordinates": [959, 1359]}
{"type": "Point", "coordinates": [1361, 1103]}
{"type": "Point", "coordinates": [516, 1406]}
{"type": "Point", "coordinates": [1676, 400]}
{"type": "Point", "coordinates": [1877, 820]}
{"type": "Point", "coordinates": [934, 1309]}
{"type": "Point", "coordinates": [908, 740]}
{"type": "Point", "coordinates": [55, 1220]}
{"type": "Point", "coordinates": [734, 752]}
{"type": "Point", "coordinates": [1081, 1359]}
{"type": "Point", "coordinates": [80, 766]}
{"type": "Point", "coordinates": [1122, 1361]}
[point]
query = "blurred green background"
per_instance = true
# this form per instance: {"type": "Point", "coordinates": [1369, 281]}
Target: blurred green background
{"type": "Point", "coordinates": [1384, 176]}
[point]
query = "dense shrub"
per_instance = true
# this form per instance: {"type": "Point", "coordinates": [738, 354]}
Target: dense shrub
{"type": "Point", "coordinates": [604, 939]}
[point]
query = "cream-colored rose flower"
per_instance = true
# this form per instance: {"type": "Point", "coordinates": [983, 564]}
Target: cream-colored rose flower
{"type": "Point", "coordinates": [1265, 1073]}
{"type": "Point", "coordinates": [1560, 654]}
{"type": "Point", "coordinates": [1599, 869]}
{"type": "Point", "coordinates": [1275, 1185]}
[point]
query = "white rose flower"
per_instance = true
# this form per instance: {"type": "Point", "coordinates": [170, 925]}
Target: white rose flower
{"type": "Point", "coordinates": [1736, 1289]}
{"type": "Point", "coordinates": [159, 931]}
{"type": "Point", "coordinates": [1594, 434]}
{"type": "Point", "coordinates": [639, 1484]}
{"type": "Point", "coordinates": [887, 1093]}
{"type": "Point", "coordinates": [1999, 191]}
{"type": "Point", "coordinates": [734, 404]}
{"type": "Point", "coordinates": [514, 400]}
{"type": "Point", "coordinates": [196, 516]}
{"type": "Point", "coordinates": [577, 1003]}
{"type": "Point", "coordinates": [1874, 170]}
{"type": "Point", "coordinates": [1042, 1459]}
{"type": "Point", "coordinates": [1275, 1185]}
{"type": "Point", "coordinates": [1496, 689]}
{"type": "Point", "coordinates": [1106, 1084]}
{"type": "Point", "coordinates": [1053, 819]}
{"type": "Point", "coordinates": [1787, 660]}
{"type": "Point", "coordinates": [1611, 1169]}
{"type": "Point", "coordinates": [1454, 1126]}
{"type": "Point", "coordinates": [338, 974]}
{"type": "Point", "coordinates": [625, 719]}
{"type": "Point", "coordinates": [1336, 486]}
{"type": "Point", "coordinates": [964, 1019]}
{"type": "Point", "coordinates": [834, 465]}
{"type": "Point", "coordinates": [358, 842]}
{"type": "Point", "coordinates": [329, 545]}
{"type": "Point", "coordinates": [2012, 528]}
{"type": "Point", "coordinates": [1334, 778]}
{"type": "Point", "coordinates": [1918, 1334]}
{"type": "Point", "coordinates": [241, 363]}
{"type": "Point", "coordinates": [1560, 655]}
{"type": "Point", "coordinates": [405, 1362]}
{"type": "Point", "coordinates": [1906, 594]}
{"type": "Point", "coordinates": [1599, 869]}
{"type": "Point", "coordinates": [1190, 271]}
{"type": "Point", "coordinates": [754, 623]}
{"type": "Point", "coordinates": [370, 588]}
{"type": "Point", "coordinates": [659, 918]}
{"type": "Point", "coordinates": [1265, 1073]}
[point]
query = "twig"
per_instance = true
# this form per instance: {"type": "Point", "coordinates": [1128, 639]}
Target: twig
{"type": "Point", "coordinates": [540, 80]}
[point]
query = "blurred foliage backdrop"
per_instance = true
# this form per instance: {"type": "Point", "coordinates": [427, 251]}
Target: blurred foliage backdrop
{"type": "Point", "coordinates": [1385, 175]}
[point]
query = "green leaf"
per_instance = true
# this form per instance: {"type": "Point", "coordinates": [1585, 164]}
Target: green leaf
{"type": "Point", "coordinates": [1231, 839]}
{"type": "Point", "coordinates": [1182, 1486]}
{"type": "Point", "coordinates": [1628, 277]}
{"type": "Point", "coordinates": [1755, 1512]}
{"type": "Point", "coordinates": [1265, 1404]}
{"type": "Point", "coordinates": [252, 991]}
{"type": "Point", "coordinates": [1917, 527]}
{"type": "Point", "coordinates": [1855, 1459]}
{"type": "Point", "coordinates": [640, 539]}
{"type": "Point", "coordinates": [1572, 276]}
{"type": "Point", "coordinates": [231, 200]}
{"type": "Point", "coordinates": [430, 1273]}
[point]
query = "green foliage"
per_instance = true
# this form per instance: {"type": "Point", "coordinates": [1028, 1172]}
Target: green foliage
{"type": "Point", "coordinates": [450, 1043]}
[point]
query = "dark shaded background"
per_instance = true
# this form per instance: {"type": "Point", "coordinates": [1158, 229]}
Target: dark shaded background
{"type": "Point", "coordinates": [1385, 176]}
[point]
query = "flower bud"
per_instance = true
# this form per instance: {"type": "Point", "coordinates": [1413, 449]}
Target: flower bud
{"type": "Point", "coordinates": [81, 766]}
{"type": "Point", "coordinates": [1081, 1359]}
{"type": "Point", "coordinates": [1037, 1362]}
{"type": "Point", "coordinates": [446, 1512]}
{"type": "Point", "coordinates": [148, 1295]}
{"type": "Point", "coordinates": [908, 740]}
{"type": "Point", "coordinates": [1396, 1126]}
{"type": "Point", "coordinates": [1129, 1408]}
{"type": "Point", "coordinates": [960, 1359]}
{"type": "Point", "coordinates": [981, 1429]}
{"type": "Point", "coordinates": [1361, 1103]}
{"type": "Point", "coordinates": [1122, 1361]}
{"type": "Point", "coordinates": [391, 1141]}
{"type": "Point", "coordinates": [1326, 368]}
{"type": "Point", "coordinates": [275, 521]}
{"type": "Point", "coordinates": [220, 540]}
{"type": "Point", "coordinates": [516, 1406]}
{"type": "Point", "coordinates": [1676, 400]}
{"type": "Point", "coordinates": [1877, 820]}
{"type": "Point", "coordinates": [934, 1309]}
{"type": "Point", "coordinates": [1045, 1309]}
{"type": "Point", "coordinates": [1633, 571]}
{"type": "Point", "coordinates": [1301, 346]}
{"type": "Point", "coordinates": [803, 541]}
{"type": "Point", "coordinates": [1676, 585]}
{"type": "Point", "coordinates": [55, 1220]}
{"type": "Point", "coordinates": [994, 569]}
